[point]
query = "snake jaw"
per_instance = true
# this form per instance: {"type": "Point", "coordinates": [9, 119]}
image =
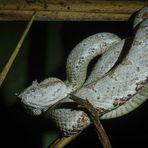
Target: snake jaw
{"type": "Point", "coordinates": [38, 97]}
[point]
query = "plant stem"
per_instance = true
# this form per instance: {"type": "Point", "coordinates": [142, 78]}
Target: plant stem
{"type": "Point", "coordinates": [8, 65]}
{"type": "Point", "coordinates": [63, 141]}
{"type": "Point", "coordinates": [94, 116]}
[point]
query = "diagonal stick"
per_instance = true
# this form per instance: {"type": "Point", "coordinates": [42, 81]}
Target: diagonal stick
{"type": "Point", "coordinates": [94, 116]}
{"type": "Point", "coordinates": [8, 65]}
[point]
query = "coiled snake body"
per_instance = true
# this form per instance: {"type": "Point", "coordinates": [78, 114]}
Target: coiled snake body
{"type": "Point", "coordinates": [115, 90]}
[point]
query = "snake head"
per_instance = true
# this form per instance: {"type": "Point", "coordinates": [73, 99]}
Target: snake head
{"type": "Point", "coordinates": [38, 97]}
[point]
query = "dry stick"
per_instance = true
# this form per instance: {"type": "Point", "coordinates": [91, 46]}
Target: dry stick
{"type": "Point", "coordinates": [8, 65]}
{"type": "Point", "coordinates": [93, 114]}
{"type": "Point", "coordinates": [63, 141]}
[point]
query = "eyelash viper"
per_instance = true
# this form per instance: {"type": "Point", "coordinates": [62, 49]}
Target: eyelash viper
{"type": "Point", "coordinates": [116, 90]}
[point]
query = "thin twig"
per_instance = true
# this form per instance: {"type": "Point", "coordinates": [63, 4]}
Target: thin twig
{"type": "Point", "coordinates": [63, 141]}
{"type": "Point", "coordinates": [93, 114]}
{"type": "Point", "coordinates": [8, 65]}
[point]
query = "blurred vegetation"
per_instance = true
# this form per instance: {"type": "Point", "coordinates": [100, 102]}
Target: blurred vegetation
{"type": "Point", "coordinates": [42, 55]}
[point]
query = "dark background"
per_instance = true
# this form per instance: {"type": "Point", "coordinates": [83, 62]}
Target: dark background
{"type": "Point", "coordinates": [44, 54]}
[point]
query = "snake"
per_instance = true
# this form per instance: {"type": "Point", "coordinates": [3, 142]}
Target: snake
{"type": "Point", "coordinates": [114, 87]}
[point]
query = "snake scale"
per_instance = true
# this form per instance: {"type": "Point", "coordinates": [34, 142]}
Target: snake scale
{"type": "Point", "coordinates": [114, 89]}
